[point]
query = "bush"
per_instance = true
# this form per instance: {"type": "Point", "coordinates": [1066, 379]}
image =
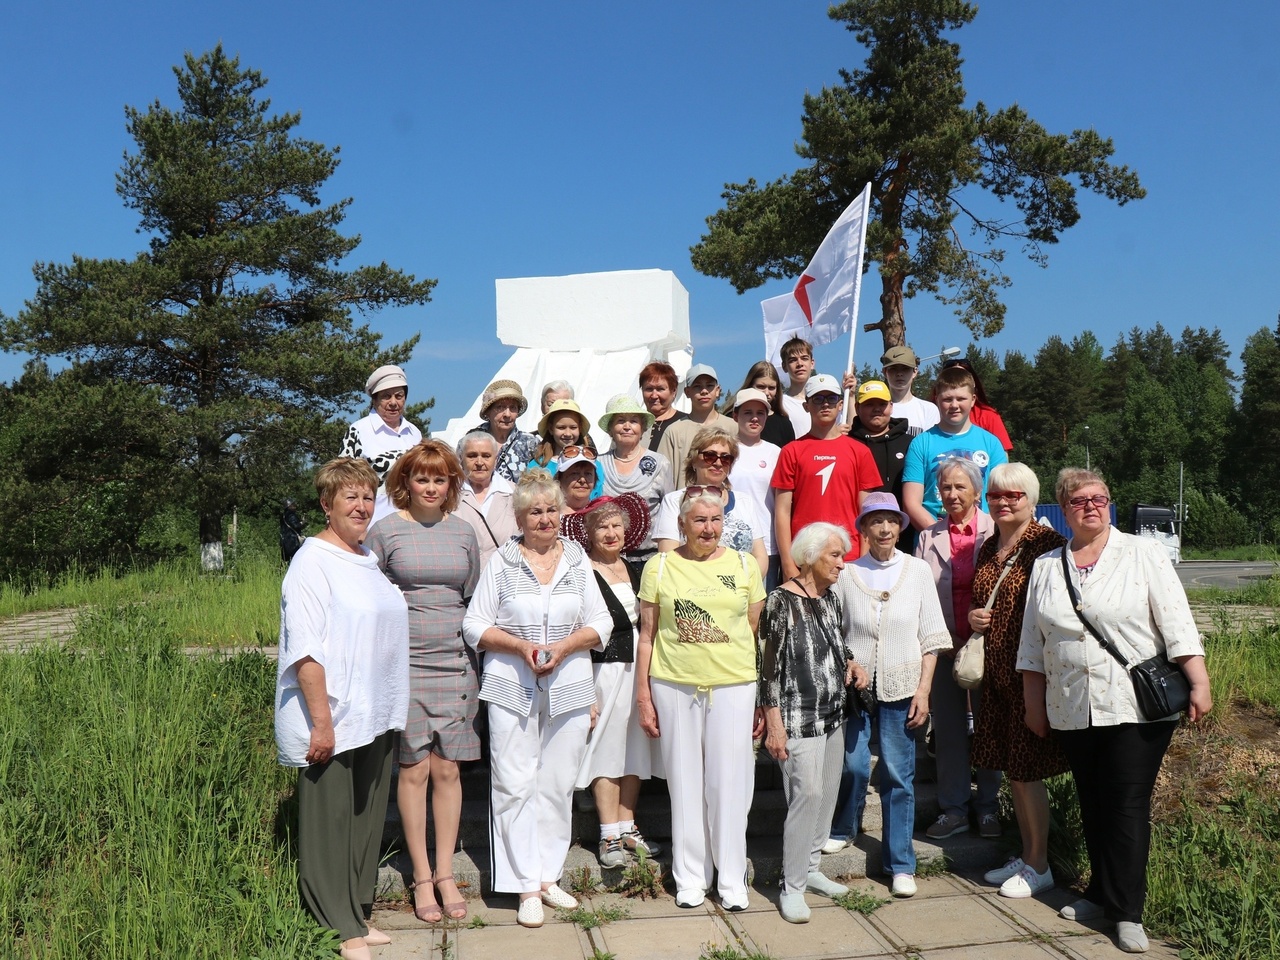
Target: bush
{"type": "Point", "coordinates": [1213, 524]}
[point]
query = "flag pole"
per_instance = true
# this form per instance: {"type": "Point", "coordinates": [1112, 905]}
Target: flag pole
{"type": "Point", "coordinates": [857, 296]}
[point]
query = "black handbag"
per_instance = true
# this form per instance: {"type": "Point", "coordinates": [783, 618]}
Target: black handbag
{"type": "Point", "coordinates": [1160, 687]}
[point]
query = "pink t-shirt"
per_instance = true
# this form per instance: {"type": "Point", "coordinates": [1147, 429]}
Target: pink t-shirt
{"type": "Point", "coordinates": [963, 539]}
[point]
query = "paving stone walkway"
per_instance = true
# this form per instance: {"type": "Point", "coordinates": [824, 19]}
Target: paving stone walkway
{"type": "Point", "coordinates": [953, 917]}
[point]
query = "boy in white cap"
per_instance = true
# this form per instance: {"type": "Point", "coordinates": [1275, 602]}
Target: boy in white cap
{"type": "Point", "coordinates": [823, 475]}
{"type": "Point", "coordinates": [702, 387]}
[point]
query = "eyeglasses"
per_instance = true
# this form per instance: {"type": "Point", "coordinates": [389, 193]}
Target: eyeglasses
{"type": "Point", "coordinates": [697, 490]}
{"type": "Point", "coordinates": [711, 458]}
{"type": "Point", "coordinates": [1004, 496]}
{"type": "Point", "coordinates": [1098, 500]}
{"type": "Point", "coordinates": [574, 450]}
{"type": "Point", "coordinates": [825, 400]}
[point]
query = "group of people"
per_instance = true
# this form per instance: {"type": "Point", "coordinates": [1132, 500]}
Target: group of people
{"type": "Point", "coordinates": [714, 579]}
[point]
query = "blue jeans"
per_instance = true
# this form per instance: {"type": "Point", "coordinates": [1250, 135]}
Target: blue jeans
{"type": "Point", "coordinates": [897, 783]}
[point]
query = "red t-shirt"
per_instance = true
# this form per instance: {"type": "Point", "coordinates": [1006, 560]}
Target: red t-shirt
{"type": "Point", "coordinates": [987, 418]}
{"type": "Point", "coordinates": [825, 478]}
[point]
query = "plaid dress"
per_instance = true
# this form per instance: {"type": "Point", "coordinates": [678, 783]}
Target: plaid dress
{"type": "Point", "coordinates": [435, 566]}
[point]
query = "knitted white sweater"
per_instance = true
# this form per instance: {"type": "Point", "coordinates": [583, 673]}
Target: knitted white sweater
{"type": "Point", "coordinates": [889, 631]}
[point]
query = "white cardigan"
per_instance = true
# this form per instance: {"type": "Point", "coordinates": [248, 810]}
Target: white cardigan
{"type": "Point", "coordinates": [1134, 598]}
{"type": "Point", "coordinates": [510, 598]}
{"type": "Point", "coordinates": [889, 631]}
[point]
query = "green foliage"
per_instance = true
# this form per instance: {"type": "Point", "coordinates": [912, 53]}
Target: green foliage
{"type": "Point", "coordinates": [861, 902]}
{"type": "Point", "coordinates": [237, 317]}
{"type": "Point", "coordinates": [641, 878]}
{"type": "Point", "coordinates": [938, 170]}
{"type": "Point", "coordinates": [143, 808]}
{"type": "Point", "coordinates": [590, 919]}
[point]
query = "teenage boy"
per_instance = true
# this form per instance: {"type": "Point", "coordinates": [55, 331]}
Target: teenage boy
{"type": "Point", "coordinates": [900, 368]}
{"type": "Point", "coordinates": [888, 438]}
{"type": "Point", "coordinates": [954, 436]}
{"type": "Point", "coordinates": [702, 387]}
{"type": "Point", "coordinates": [797, 364]}
{"type": "Point", "coordinates": [752, 472]}
{"type": "Point", "coordinates": [822, 476]}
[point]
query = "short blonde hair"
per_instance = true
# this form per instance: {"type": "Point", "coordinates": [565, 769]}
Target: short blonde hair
{"type": "Point", "coordinates": [344, 472]}
{"type": "Point", "coordinates": [535, 483]}
{"type": "Point", "coordinates": [703, 439]}
{"type": "Point", "coordinates": [1015, 476]}
{"type": "Point", "coordinates": [1071, 479]}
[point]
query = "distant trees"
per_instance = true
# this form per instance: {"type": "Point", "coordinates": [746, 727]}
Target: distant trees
{"type": "Point", "coordinates": [234, 331]}
{"type": "Point", "coordinates": [935, 165]}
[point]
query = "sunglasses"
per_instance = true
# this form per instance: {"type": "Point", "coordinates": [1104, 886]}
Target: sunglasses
{"type": "Point", "coordinates": [711, 458]}
{"type": "Point", "coordinates": [697, 490]}
{"type": "Point", "coordinates": [574, 450]}
{"type": "Point", "coordinates": [824, 400]}
{"type": "Point", "coordinates": [1004, 496]}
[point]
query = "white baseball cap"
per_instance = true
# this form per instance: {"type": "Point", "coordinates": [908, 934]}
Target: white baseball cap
{"type": "Point", "coordinates": [823, 383]}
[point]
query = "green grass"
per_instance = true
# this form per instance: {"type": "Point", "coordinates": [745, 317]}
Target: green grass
{"type": "Point", "coordinates": [1259, 593]}
{"type": "Point", "coordinates": [857, 901]}
{"type": "Point", "coordinates": [1249, 552]}
{"type": "Point", "coordinates": [590, 919]}
{"type": "Point", "coordinates": [240, 607]}
{"type": "Point", "coordinates": [144, 813]}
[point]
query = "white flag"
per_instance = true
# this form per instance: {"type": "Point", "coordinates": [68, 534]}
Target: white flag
{"type": "Point", "coordinates": [824, 303]}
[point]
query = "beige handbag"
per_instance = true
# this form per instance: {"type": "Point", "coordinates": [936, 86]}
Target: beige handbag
{"type": "Point", "coordinates": [970, 659]}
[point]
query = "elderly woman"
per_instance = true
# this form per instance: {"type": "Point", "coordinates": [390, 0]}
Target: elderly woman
{"type": "Point", "coordinates": [553, 391]}
{"type": "Point", "coordinates": [1125, 588]}
{"type": "Point", "coordinates": [659, 385]}
{"type": "Point", "coordinates": [384, 434]}
{"type": "Point", "coordinates": [894, 626]}
{"type": "Point", "coordinates": [434, 558]}
{"type": "Point", "coordinates": [501, 404]}
{"type": "Point", "coordinates": [628, 467]}
{"type": "Point", "coordinates": [342, 693]}
{"type": "Point", "coordinates": [1001, 738]}
{"type": "Point", "coordinates": [576, 472]}
{"type": "Point", "coordinates": [535, 614]}
{"type": "Point", "coordinates": [950, 548]}
{"type": "Point", "coordinates": [695, 691]}
{"type": "Point", "coordinates": [763, 376]}
{"type": "Point", "coordinates": [804, 670]}
{"type": "Point", "coordinates": [485, 500]}
{"type": "Point", "coordinates": [618, 755]}
{"type": "Point", "coordinates": [711, 457]}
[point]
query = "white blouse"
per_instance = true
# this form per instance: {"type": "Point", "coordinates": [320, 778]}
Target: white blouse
{"type": "Point", "coordinates": [1133, 598]}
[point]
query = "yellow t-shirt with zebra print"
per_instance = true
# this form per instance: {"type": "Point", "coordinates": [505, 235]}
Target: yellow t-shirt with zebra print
{"type": "Point", "coordinates": [704, 635]}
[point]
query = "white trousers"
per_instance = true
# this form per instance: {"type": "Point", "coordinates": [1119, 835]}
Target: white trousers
{"type": "Point", "coordinates": [532, 762]}
{"type": "Point", "coordinates": [706, 749]}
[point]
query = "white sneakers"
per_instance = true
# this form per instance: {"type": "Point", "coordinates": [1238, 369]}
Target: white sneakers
{"type": "Point", "coordinates": [824, 886]}
{"type": "Point", "coordinates": [1131, 937]}
{"type": "Point", "coordinates": [553, 896]}
{"type": "Point", "coordinates": [530, 914]}
{"type": "Point", "coordinates": [1026, 883]}
{"type": "Point", "coordinates": [834, 846]}
{"type": "Point", "coordinates": [904, 885]}
{"type": "Point", "coordinates": [1001, 874]}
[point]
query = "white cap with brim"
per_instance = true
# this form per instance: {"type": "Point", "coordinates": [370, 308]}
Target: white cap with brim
{"type": "Point", "coordinates": [822, 383]}
{"type": "Point", "coordinates": [700, 370]}
{"type": "Point", "coordinates": [386, 377]}
{"type": "Point", "coordinates": [749, 393]}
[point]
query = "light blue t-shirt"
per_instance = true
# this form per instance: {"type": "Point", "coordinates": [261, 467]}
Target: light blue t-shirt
{"type": "Point", "coordinates": [933, 446]}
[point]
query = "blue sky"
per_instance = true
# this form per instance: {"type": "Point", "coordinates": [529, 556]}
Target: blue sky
{"type": "Point", "coordinates": [512, 139]}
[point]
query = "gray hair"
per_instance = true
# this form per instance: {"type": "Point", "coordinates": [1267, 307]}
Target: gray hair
{"type": "Point", "coordinates": [535, 484]}
{"type": "Point", "coordinates": [965, 466]}
{"type": "Point", "coordinates": [1016, 476]}
{"type": "Point", "coordinates": [688, 503]}
{"type": "Point", "coordinates": [475, 435]}
{"type": "Point", "coordinates": [557, 386]}
{"type": "Point", "coordinates": [813, 539]}
{"type": "Point", "coordinates": [606, 511]}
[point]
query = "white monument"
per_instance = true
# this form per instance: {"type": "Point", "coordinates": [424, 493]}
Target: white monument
{"type": "Point", "coordinates": [595, 330]}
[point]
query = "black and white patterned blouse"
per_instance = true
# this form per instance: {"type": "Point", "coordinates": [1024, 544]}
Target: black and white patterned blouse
{"type": "Point", "coordinates": [515, 454]}
{"type": "Point", "coordinates": [802, 662]}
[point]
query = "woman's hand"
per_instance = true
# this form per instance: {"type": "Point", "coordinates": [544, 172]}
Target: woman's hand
{"type": "Point", "coordinates": [980, 619]}
{"type": "Point", "coordinates": [595, 715]}
{"type": "Point", "coordinates": [757, 723]}
{"type": "Point", "coordinates": [1036, 717]}
{"type": "Point", "coordinates": [1201, 697]}
{"type": "Point", "coordinates": [648, 716]}
{"type": "Point", "coordinates": [322, 744]}
{"type": "Point", "coordinates": [775, 741]}
{"type": "Point", "coordinates": [918, 712]}
{"type": "Point", "coordinates": [553, 656]}
{"type": "Point", "coordinates": [856, 674]}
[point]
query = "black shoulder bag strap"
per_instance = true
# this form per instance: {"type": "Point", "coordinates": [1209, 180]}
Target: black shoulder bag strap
{"type": "Point", "coordinates": [1076, 605]}
{"type": "Point", "coordinates": [487, 528]}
